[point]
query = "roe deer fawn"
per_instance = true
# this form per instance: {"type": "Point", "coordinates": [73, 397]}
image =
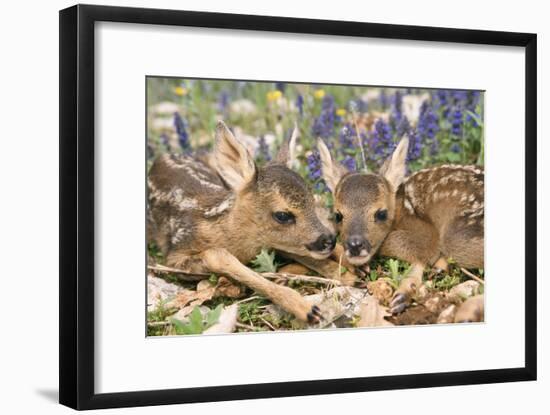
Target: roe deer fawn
{"type": "Point", "coordinates": [433, 215]}
{"type": "Point", "coordinates": [216, 213]}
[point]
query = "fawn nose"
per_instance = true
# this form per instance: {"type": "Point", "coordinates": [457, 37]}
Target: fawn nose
{"type": "Point", "coordinates": [355, 244]}
{"type": "Point", "coordinates": [325, 242]}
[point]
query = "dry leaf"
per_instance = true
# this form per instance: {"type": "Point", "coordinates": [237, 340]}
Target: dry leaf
{"type": "Point", "coordinates": [381, 289]}
{"type": "Point", "coordinates": [294, 268]}
{"type": "Point", "coordinates": [465, 290]}
{"type": "Point", "coordinates": [159, 290]}
{"type": "Point", "coordinates": [447, 315]}
{"type": "Point", "coordinates": [205, 291]}
{"type": "Point", "coordinates": [226, 322]}
{"type": "Point", "coordinates": [339, 302]}
{"type": "Point", "coordinates": [472, 310]}
{"type": "Point", "coordinates": [372, 314]}
{"type": "Point", "coordinates": [227, 288]}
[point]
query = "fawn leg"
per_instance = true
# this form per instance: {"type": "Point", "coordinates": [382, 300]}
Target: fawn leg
{"type": "Point", "coordinates": [416, 243]}
{"type": "Point", "coordinates": [407, 288]}
{"type": "Point", "coordinates": [471, 310]}
{"type": "Point", "coordinates": [221, 261]}
{"type": "Point", "coordinates": [441, 265]}
{"type": "Point", "coordinates": [328, 268]}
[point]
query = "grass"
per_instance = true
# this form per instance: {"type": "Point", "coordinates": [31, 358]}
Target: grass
{"type": "Point", "coordinates": [270, 111]}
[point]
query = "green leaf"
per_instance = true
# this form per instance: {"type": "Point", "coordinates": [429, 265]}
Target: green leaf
{"type": "Point", "coordinates": [195, 320]}
{"type": "Point", "coordinates": [373, 276]}
{"type": "Point", "coordinates": [213, 316]}
{"type": "Point", "coordinates": [453, 157]}
{"type": "Point", "coordinates": [264, 262]}
{"type": "Point", "coordinates": [393, 265]}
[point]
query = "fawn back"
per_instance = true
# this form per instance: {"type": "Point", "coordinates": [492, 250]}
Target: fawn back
{"type": "Point", "coordinates": [223, 200]}
{"type": "Point", "coordinates": [435, 212]}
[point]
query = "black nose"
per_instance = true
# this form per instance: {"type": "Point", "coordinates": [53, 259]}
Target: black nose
{"type": "Point", "coordinates": [355, 244]}
{"type": "Point", "coordinates": [325, 242]}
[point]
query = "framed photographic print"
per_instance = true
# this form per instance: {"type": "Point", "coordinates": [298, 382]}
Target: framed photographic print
{"type": "Point", "coordinates": [258, 206]}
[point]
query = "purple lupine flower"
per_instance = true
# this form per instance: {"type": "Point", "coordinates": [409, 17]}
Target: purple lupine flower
{"type": "Point", "coordinates": [223, 101]}
{"type": "Point", "coordinates": [349, 163]}
{"type": "Point", "coordinates": [381, 140]}
{"type": "Point", "coordinates": [383, 99]}
{"type": "Point", "coordinates": [440, 97]}
{"type": "Point", "coordinates": [455, 148]}
{"type": "Point", "coordinates": [323, 126]}
{"type": "Point", "coordinates": [280, 86]}
{"type": "Point", "coordinates": [397, 110]}
{"type": "Point", "coordinates": [358, 105]}
{"type": "Point", "coordinates": [300, 104]}
{"type": "Point", "coordinates": [473, 101]}
{"type": "Point", "coordinates": [415, 145]}
{"type": "Point", "coordinates": [456, 116]}
{"type": "Point", "coordinates": [181, 130]}
{"type": "Point", "coordinates": [263, 150]}
{"type": "Point", "coordinates": [428, 124]}
{"type": "Point", "coordinates": [314, 172]}
{"type": "Point", "coordinates": [314, 165]}
{"type": "Point", "coordinates": [346, 137]}
{"type": "Point", "coordinates": [459, 97]}
{"type": "Point", "coordinates": [164, 141]}
{"type": "Point", "coordinates": [402, 127]}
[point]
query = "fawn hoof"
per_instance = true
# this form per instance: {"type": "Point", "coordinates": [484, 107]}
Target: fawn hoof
{"type": "Point", "coordinates": [398, 303]}
{"type": "Point", "coordinates": [314, 316]}
{"type": "Point", "coordinates": [362, 271]}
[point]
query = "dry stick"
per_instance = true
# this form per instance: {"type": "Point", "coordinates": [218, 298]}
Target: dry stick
{"type": "Point", "coordinates": [163, 268]}
{"type": "Point", "coordinates": [269, 275]}
{"type": "Point", "coordinates": [158, 323]}
{"type": "Point", "coordinates": [267, 323]}
{"type": "Point", "coordinates": [298, 277]}
{"type": "Point", "coordinates": [472, 276]}
{"type": "Point", "coordinates": [244, 326]}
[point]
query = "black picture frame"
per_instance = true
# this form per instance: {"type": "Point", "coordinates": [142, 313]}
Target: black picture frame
{"type": "Point", "coordinates": [76, 280]}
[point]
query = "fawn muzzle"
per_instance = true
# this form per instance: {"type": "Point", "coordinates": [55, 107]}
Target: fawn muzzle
{"type": "Point", "coordinates": [358, 249]}
{"type": "Point", "coordinates": [323, 245]}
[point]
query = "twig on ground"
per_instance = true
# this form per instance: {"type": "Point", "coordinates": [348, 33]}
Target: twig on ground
{"type": "Point", "coordinates": [245, 326]}
{"type": "Point", "coordinates": [269, 275]}
{"type": "Point", "coordinates": [298, 277]}
{"type": "Point", "coordinates": [268, 324]}
{"type": "Point", "coordinates": [254, 297]}
{"type": "Point", "coordinates": [472, 276]}
{"type": "Point", "coordinates": [163, 268]}
{"type": "Point", "coordinates": [158, 323]}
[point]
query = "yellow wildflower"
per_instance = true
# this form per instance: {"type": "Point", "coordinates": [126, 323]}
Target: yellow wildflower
{"type": "Point", "coordinates": [341, 112]}
{"type": "Point", "coordinates": [180, 91]}
{"type": "Point", "coordinates": [319, 93]}
{"type": "Point", "coordinates": [274, 95]}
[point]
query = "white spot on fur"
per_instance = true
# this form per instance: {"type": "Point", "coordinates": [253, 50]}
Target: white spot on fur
{"type": "Point", "coordinates": [219, 209]}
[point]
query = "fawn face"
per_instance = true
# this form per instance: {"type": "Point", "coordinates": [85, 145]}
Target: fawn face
{"type": "Point", "coordinates": [364, 203]}
{"type": "Point", "coordinates": [273, 204]}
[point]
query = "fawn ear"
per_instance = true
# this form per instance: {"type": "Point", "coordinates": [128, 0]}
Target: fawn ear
{"type": "Point", "coordinates": [232, 159]}
{"type": "Point", "coordinates": [394, 167]}
{"type": "Point", "coordinates": [332, 172]}
{"type": "Point", "coordinates": [287, 152]}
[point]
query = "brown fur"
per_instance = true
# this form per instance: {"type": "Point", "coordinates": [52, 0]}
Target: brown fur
{"type": "Point", "coordinates": [435, 214]}
{"type": "Point", "coordinates": [216, 213]}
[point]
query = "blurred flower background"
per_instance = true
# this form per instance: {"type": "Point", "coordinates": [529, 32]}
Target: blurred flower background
{"type": "Point", "coordinates": [361, 125]}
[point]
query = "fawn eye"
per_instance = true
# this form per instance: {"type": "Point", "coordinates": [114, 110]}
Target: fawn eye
{"type": "Point", "coordinates": [284, 218]}
{"type": "Point", "coordinates": [338, 217]}
{"type": "Point", "coordinates": [381, 215]}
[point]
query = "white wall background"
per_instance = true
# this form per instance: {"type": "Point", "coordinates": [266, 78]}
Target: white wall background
{"type": "Point", "coordinates": [29, 208]}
